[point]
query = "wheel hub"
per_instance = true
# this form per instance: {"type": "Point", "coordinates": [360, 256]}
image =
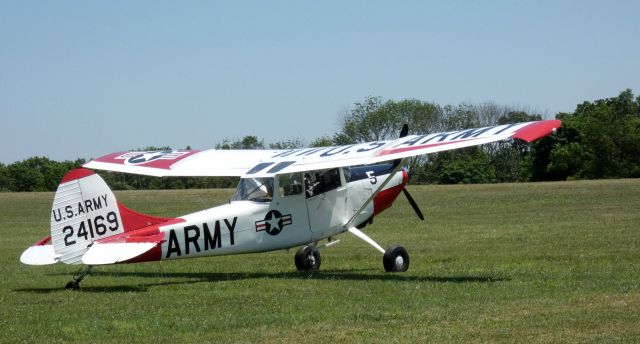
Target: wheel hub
{"type": "Point", "coordinates": [399, 261]}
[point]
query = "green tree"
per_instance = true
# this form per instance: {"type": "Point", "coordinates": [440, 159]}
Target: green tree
{"type": "Point", "coordinates": [287, 144]}
{"type": "Point", "coordinates": [37, 174]}
{"type": "Point", "coordinates": [611, 131]}
{"type": "Point", "coordinates": [152, 149]}
{"type": "Point", "coordinates": [511, 159]}
{"type": "Point", "coordinates": [459, 117]}
{"type": "Point", "coordinates": [600, 139]}
{"type": "Point", "coordinates": [324, 141]}
{"type": "Point", "coordinates": [25, 178]}
{"type": "Point", "coordinates": [367, 121]}
{"type": "Point", "coordinates": [247, 142]}
{"type": "Point", "coordinates": [463, 166]}
{"type": "Point", "coordinates": [374, 120]}
{"type": "Point", "coordinates": [4, 178]}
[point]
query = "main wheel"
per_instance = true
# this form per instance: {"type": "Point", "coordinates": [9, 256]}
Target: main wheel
{"type": "Point", "coordinates": [396, 259]}
{"type": "Point", "coordinates": [307, 258]}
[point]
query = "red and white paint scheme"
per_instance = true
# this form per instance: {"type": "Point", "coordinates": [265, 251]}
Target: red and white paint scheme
{"type": "Point", "coordinates": [285, 199]}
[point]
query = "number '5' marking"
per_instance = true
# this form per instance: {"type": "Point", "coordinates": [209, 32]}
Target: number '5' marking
{"type": "Point", "coordinates": [372, 178]}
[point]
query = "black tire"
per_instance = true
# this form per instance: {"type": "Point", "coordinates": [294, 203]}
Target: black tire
{"type": "Point", "coordinates": [307, 258]}
{"type": "Point", "coordinates": [396, 259]}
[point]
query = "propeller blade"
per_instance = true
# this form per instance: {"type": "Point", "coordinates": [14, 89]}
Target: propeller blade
{"type": "Point", "coordinates": [404, 131]}
{"type": "Point", "coordinates": [413, 203]}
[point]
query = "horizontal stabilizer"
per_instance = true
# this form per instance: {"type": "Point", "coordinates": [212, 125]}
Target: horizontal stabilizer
{"type": "Point", "coordinates": [117, 252]}
{"type": "Point", "coordinates": [39, 255]}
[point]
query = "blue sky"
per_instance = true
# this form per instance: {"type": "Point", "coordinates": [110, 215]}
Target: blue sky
{"type": "Point", "coordinates": [87, 78]}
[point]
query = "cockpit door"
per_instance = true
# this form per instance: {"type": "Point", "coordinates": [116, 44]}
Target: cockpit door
{"type": "Point", "coordinates": [288, 217]}
{"type": "Point", "coordinates": [326, 202]}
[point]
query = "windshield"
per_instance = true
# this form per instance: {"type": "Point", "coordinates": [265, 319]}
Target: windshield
{"type": "Point", "coordinates": [254, 189]}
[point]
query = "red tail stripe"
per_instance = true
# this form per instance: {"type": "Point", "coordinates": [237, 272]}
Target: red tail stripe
{"type": "Point", "coordinates": [132, 220]}
{"type": "Point", "coordinates": [76, 174]}
{"type": "Point", "coordinates": [43, 241]}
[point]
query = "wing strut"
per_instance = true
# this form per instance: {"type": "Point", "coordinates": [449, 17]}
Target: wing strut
{"type": "Point", "coordinates": [397, 168]}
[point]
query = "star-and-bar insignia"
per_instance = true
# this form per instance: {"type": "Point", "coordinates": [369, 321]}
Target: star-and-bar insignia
{"type": "Point", "coordinates": [273, 222]}
{"type": "Point", "coordinates": [137, 158]}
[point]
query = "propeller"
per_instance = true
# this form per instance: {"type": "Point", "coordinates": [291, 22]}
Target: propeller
{"type": "Point", "coordinates": [413, 203]}
{"type": "Point", "coordinates": [404, 132]}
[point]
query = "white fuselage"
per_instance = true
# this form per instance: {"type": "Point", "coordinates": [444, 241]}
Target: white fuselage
{"type": "Point", "coordinates": [284, 221]}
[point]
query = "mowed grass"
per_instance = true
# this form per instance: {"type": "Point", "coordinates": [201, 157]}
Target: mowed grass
{"type": "Point", "coordinates": [544, 262]}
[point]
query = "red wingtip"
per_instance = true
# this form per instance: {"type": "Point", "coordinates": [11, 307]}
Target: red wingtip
{"type": "Point", "coordinates": [77, 173]}
{"type": "Point", "coordinates": [537, 130]}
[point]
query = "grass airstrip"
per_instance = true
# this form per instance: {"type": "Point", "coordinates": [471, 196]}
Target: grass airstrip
{"type": "Point", "coordinates": [541, 262]}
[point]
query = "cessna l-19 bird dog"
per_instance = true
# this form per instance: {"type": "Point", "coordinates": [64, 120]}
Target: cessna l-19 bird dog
{"type": "Point", "coordinates": [285, 199]}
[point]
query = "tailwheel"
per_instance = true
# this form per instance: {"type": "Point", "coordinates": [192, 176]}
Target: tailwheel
{"type": "Point", "coordinates": [72, 285]}
{"type": "Point", "coordinates": [307, 258]}
{"type": "Point", "coordinates": [396, 259]}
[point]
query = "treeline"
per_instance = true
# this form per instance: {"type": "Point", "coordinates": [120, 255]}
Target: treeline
{"type": "Point", "coordinates": [498, 162]}
{"type": "Point", "coordinates": [44, 174]}
{"type": "Point", "coordinates": [34, 174]}
{"type": "Point", "coordinates": [600, 139]}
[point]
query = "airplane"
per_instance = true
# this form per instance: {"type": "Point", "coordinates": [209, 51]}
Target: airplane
{"type": "Point", "coordinates": [284, 199]}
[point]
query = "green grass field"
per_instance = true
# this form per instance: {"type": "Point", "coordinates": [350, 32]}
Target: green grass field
{"type": "Point", "coordinates": [545, 262]}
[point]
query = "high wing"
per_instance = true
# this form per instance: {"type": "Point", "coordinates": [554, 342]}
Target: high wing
{"type": "Point", "coordinates": [259, 163]}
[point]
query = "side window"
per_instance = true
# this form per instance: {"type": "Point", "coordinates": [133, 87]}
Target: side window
{"type": "Point", "coordinates": [321, 181]}
{"type": "Point", "coordinates": [347, 174]}
{"type": "Point", "coordinates": [290, 184]}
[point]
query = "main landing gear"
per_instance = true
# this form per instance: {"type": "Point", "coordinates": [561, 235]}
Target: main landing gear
{"type": "Point", "coordinates": [74, 284]}
{"type": "Point", "coordinates": [307, 258]}
{"type": "Point", "coordinates": [394, 259]}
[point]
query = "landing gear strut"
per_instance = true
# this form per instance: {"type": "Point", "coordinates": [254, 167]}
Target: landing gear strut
{"type": "Point", "coordinates": [395, 259]}
{"type": "Point", "coordinates": [74, 284]}
{"type": "Point", "coordinates": [307, 258]}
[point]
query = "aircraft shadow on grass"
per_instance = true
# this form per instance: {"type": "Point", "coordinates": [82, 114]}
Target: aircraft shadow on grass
{"type": "Point", "coordinates": [186, 278]}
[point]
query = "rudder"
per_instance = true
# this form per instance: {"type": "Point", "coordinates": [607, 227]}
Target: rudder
{"type": "Point", "coordinates": [84, 210]}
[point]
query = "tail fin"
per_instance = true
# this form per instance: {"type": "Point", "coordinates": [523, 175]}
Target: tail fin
{"type": "Point", "coordinates": [85, 210]}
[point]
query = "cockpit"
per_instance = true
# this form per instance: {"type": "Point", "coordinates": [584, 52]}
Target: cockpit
{"type": "Point", "coordinates": [311, 183]}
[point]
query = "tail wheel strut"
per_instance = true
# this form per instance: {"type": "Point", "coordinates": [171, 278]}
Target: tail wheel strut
{"type": "Point", "coordinates": [74, 284]}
